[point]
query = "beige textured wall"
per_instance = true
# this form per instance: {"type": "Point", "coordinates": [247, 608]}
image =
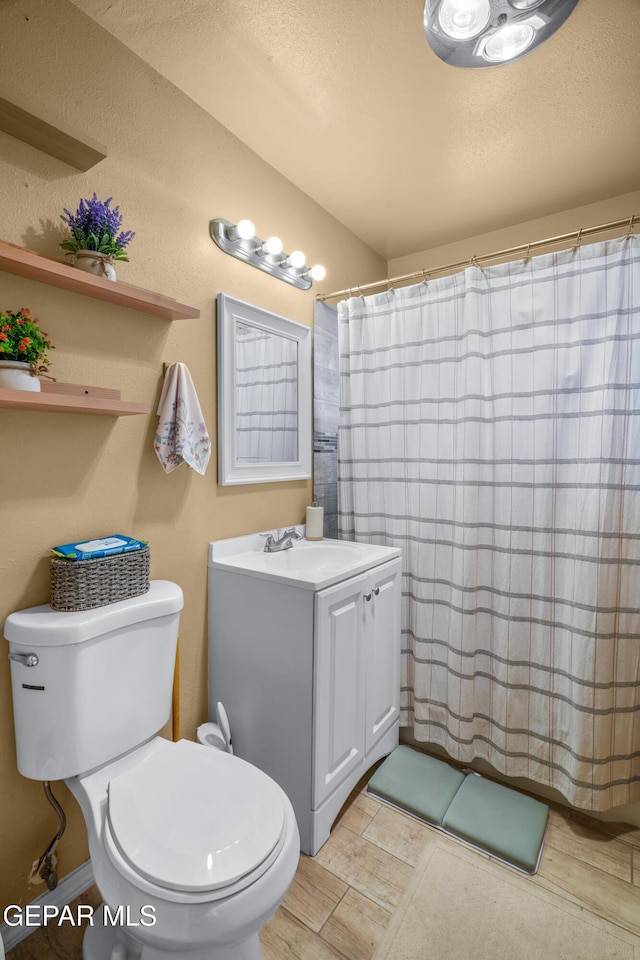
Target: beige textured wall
{"type": "Point", "coordinates": [62, 476]}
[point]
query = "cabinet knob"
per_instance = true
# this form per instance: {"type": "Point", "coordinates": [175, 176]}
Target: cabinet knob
{"type": "Point", "coordinates": [367, 596]}
{"type": "Point", "coordinates": [377, 591]}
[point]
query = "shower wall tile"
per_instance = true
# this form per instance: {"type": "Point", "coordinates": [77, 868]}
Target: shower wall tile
{"type": "Point", "coordinates": [326, 406]}
{"type": "Point", "coordinates": [326, 472]}
{"type": "Point", "coordinates": [325, 424]}
{"type": "Point", "coordinates": [326, 368]}
{"type": "Point", "coordinates": [326, 486]}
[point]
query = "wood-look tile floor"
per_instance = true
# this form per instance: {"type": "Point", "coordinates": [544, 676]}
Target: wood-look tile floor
{"type": "Point", "coordinates": [340, 902]}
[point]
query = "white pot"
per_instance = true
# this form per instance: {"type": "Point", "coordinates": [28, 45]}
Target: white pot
{"type": "Point", "coordinates": [96, 263]}
{"type": "Point", "coordinates": [16, 375]}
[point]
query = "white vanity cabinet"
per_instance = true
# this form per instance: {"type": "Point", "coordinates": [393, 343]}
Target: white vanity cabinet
{"type": "Point", "coordinates": [356, 683]}
{"type": "Point", "coordinates": [309, 674]}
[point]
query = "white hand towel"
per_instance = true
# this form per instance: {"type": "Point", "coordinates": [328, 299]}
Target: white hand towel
{"type": "Point", "coordinates": [182, 433]}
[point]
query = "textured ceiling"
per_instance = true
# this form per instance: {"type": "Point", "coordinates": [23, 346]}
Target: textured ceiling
{"type": "Point", "coordinates": [346, 99]}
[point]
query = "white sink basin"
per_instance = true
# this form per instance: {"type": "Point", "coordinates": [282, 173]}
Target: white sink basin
{"type": "Point", "coordinates": [311, 564]}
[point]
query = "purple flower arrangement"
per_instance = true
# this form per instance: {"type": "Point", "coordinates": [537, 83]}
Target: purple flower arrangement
{"type": "Point", "coordinates": [94, 226]}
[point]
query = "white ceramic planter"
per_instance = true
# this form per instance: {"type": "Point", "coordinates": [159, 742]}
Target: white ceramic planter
{"type": "Point", "coordinates": [96, 263]}
{"type": "Point", "coordinates": [16, 375]}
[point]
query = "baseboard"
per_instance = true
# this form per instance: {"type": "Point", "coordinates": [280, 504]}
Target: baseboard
{"type": "Point", "coordinates": [67, 890]}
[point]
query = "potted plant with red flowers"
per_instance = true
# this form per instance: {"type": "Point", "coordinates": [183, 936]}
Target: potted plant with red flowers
{"type": "Point", "coordinates": [95, 241]}
{"type": "Point", "coordinates": [23, 351]}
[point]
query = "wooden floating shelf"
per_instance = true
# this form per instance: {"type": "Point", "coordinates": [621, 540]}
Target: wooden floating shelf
{"type": "Point", "coordinates": [71, 398]}
{"type": "Point", "coordinates": [73, 148]}
{"type": "Point", "coordinates": [33, 266]}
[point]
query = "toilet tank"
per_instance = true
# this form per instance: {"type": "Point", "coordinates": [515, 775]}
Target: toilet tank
{"type": "Point", "coordinates": [102, 683]}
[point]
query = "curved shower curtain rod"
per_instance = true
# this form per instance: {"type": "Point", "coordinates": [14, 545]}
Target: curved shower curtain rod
{"type": "Point", "coordinates": [525, 248]}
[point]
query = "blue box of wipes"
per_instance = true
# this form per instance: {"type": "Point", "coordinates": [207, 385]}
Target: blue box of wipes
{"type": "Point", "coordinates": [102, 547]}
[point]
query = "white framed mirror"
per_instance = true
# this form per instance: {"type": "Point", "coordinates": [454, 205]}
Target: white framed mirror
{"type": "Point", "coordinates": [264, 395]}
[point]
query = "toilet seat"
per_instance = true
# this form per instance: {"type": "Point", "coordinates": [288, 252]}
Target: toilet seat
{"type": "Point", "coordinates": [195, 820]}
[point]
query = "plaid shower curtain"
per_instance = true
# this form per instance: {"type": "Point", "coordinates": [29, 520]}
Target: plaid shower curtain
{"type": "Point", "coordinates": [490, 427]}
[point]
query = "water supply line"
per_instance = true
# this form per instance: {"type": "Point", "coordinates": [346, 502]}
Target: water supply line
{"type": "Point", "coordinates": [45, 866]}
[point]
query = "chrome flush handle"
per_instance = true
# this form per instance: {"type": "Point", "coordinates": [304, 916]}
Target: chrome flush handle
{"type": "Point", "coordinates": [26, 659]}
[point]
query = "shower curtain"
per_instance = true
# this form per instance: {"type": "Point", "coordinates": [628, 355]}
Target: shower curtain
{"type": "Point", "coordinates": [489, 427]}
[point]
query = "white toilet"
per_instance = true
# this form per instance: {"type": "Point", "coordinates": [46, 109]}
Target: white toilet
{"type": "Point", "coordinates": [196, 846]}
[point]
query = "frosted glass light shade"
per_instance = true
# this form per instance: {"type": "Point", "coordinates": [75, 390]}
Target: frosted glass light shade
{"type": "Point", "coordinates": [463, 19]}
{"type": "Point", "coordinates": [490, 33]}
{"type": "Point", "coordinates": [509, 42]}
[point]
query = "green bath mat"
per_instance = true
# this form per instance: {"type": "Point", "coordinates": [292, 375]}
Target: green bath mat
{"type": "Point", "coordinates": [500, 821]}
{"type": "Point", "coordinates": [487, 815]}
{"type": "Point", "coordinates": [417, 783]}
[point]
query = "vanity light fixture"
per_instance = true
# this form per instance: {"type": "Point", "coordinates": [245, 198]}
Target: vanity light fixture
{"type": "Point", "coordinates": [485, 33]}
{"type": "Point", "coordinates": [240, 241]}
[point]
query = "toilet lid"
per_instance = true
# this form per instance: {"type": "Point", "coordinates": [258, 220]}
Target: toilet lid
{"type": "Point", "coordinates": [192, 818]}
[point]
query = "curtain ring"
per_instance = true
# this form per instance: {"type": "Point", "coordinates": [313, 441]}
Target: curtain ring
{"type": "Point", "coordinates": [527, 255]}
{"type": "Point", "coordinates": [578, 240]}
{"type": "Point", "coordinates": [630, 231]}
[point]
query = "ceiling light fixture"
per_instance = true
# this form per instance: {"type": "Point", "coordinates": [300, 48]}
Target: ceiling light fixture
{"type": "Point", "coordinates": [485, 33]}
{"type": "Point", "coordinates": [239, 240]}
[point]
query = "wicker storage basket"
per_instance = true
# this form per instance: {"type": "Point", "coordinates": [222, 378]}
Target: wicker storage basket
{"type": "Point", "coordinates": [85, 584]}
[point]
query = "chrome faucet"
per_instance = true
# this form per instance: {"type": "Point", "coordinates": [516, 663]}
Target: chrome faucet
{"type": "Point", "coordinates": [280, 542]}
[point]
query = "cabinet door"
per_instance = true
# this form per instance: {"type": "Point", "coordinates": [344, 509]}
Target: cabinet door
{"type": "Point", "coordinates": [382, 651]}
{"type": "Point", "coordinates": [339, 676]}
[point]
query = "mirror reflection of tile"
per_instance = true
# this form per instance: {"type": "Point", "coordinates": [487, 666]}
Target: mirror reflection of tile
{"type": "Point", "coordinates": [326, 403]}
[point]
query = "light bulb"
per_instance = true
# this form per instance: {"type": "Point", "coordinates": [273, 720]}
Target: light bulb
{"type": "Point", "coordinates": [271, 246]}
{"type": "Point", "coordinates": [509, 42]}
{"type": "Point", "coordinates": [525, 4]}
{"type": "Point", "coordinates": [464, 19]}
{"type": "Point", "coordinates": [245, 230]}
{"type": "Point", "coordinates": [296, 259]}
{"type": "Point", "coordinates": [318, 272]}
